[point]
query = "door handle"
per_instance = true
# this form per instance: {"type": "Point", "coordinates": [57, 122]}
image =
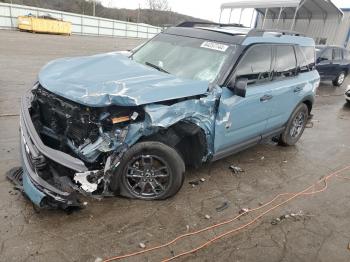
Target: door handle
{"type": "Point", "coordinates": [265, 98]}
{"type": "Point", "coordinates": [298, 89]}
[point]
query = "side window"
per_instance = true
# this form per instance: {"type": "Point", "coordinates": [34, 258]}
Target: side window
{"type": "Point", "coordinates": [285, 62]}
{"type": "Point", "coordinates": [256, 64]}
{"type": "Point", "coordinates": [337, 54]}
{"type": "Point", "coordinates": [301, 60]}
{"type": "Point", "coordinates": [326, 55]}
{"type": "Point", "coordinates": [310, 54]}
{"type": "Point", "coordinates": [305, 58]}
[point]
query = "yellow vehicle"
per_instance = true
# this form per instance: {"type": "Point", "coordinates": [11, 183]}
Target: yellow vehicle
{"type": "Point", "coordinates": [44, 24]}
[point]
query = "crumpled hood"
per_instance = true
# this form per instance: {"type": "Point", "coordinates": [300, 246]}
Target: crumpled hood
{"type": "Point", "coordinates": [113, 79]}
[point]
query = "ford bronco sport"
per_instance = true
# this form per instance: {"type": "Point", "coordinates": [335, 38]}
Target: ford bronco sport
{"type": "Point", "coordinates": [112, 124]}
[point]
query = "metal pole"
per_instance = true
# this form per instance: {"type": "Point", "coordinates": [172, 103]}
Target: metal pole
{"type": "Point", "coordinates": [94, 8]}
{"type": "Point", "coordinates": [240, 15]}
{"type": "Point", "coordinates": [251, 19]}
{"type": "Point", "coordinates": [279, 16]}
{"type": "Point", "coordinates": [336, 30]}
{"type": "Point", "coordinates": [263, 23]}
{"type": "Point", "coordinates": [229, 18]}
{"type": "Point", "coordinates": [11, 16]}
{"type": "Point", "coordinates": [295, 15]}
{"type": "Point", "coordinates": [220, 16]}
{"type": "Point", "coordinates": [138, 14]}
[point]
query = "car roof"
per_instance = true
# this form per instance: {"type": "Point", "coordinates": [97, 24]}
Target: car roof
{"type": "Point", "coordinates": [241, 35]}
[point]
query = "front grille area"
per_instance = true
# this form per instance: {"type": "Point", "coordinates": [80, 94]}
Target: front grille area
{"type": "Point", "coordinates": [59, 118]}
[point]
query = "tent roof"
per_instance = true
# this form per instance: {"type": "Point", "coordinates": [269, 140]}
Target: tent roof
{"type": "Point", "coordinates": [307, 9]}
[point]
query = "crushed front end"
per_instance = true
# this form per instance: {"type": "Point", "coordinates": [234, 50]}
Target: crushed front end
{"type": "Point", "coordinates": [67, 147]}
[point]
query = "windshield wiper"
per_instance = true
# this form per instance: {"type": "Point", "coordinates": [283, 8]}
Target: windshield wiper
{"type": "Point", "coordinates": [156, 67]}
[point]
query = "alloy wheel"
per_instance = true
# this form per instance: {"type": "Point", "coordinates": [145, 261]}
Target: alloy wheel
{"type": "Point", "coordinates": [341, 78]}
{"type": "Point", "coordinates": [298, 125]}
{"type": "Point", "coordinates": [147, 176]}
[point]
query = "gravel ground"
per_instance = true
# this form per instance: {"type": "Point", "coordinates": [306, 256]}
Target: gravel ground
{"type": "Point", "coordinates": [116, 225]}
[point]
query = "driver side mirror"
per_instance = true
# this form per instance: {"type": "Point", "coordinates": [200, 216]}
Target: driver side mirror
{"type": "Point", "coordinates": [239, 87]}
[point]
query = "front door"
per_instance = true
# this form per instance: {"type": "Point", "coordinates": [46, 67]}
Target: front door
{"type": "Point", "coordinates": [242, 119]}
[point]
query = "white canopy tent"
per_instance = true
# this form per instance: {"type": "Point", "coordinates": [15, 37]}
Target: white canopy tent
{"type": "Point", "coordinates": [287, 9]}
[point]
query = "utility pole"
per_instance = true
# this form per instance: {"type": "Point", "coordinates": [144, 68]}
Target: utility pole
{"type": "Point", "coordinates": [93, 7]}
{"type": "Point", "coordinates": [138, 14]}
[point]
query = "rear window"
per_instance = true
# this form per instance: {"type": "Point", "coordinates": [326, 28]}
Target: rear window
{"type": "Point", "coordinates": [346, 54]}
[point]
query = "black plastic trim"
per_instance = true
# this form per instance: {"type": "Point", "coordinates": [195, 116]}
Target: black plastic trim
{"type": "Point", "coordinates": [55, 155]}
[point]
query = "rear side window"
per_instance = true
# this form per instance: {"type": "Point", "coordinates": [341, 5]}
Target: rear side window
{"type": "Point", "coordinates": [256, 64]}
{"type": "Point", "coordinates": [337, 55]}
{"type": "Point", "coordinates": [285, 62]}
{"type": "Point", "coordinates": [305, 58]}
{"type": "Point", "coordinates": [310, 55]}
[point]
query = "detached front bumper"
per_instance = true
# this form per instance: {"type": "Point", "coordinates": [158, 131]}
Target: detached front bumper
{"type": "Point", "coordinates": [34, 154]}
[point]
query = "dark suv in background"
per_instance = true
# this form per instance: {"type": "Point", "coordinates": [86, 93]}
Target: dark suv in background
{"type": "Point", "coordinates": [333, 63]}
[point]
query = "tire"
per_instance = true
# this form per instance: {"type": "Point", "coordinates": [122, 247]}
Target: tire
{"type": "Point", "coordinates": [150, 171]}
{"type": "Point", "coordinates": [340, 79]}
{"type": "Point", "coordinates": [295, 126]}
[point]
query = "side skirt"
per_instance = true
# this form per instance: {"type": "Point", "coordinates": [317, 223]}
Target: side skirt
{"type": "Point", "coordinates": [246, 144]}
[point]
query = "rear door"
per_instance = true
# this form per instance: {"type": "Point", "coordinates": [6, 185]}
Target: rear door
{"type": "Point", "coordinates": [284, 87]}
{"type": "Point", "coordinates": [325, 64]}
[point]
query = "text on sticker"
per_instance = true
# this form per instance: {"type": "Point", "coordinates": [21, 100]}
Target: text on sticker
{"type": "Point", "coordinates": [214, 46]}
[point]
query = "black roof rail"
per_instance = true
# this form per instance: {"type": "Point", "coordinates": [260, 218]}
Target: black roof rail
{"type": "Point", "coordinates": [261, 32]}
{"type": "Point", "coordinates": [196, 23]}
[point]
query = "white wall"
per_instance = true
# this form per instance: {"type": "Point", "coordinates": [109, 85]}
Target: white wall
{"type": "Point", "coordinates": [81, 24]}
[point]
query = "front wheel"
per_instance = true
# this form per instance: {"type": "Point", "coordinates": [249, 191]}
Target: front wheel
{"type": "Point", "coordinates": [340, 79]}
{"type": "Point", "coordinates": [295, 126]}
{"type": "Point", "coordinates": [149, 170]}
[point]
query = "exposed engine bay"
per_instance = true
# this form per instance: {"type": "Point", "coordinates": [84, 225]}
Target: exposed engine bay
{"type": "Point", "coordinates": [91, 134]}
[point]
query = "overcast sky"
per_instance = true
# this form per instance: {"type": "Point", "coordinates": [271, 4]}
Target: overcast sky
{"type": "Point", "coordinates": [206, 9]}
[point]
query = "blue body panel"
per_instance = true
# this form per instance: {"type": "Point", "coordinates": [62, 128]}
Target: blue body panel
{"type": "Point", "coordinates": [240, 118]}
{"type": "Point", "coordinates": [114, 79]}
{"type": "Point", "coordinates": [30, 190]}
{"type": "Point", "coordinates": [287, 94]}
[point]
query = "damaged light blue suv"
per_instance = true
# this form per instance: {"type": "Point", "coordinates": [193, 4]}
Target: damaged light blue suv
{"type": "Point", "coordinates": [112, 124]}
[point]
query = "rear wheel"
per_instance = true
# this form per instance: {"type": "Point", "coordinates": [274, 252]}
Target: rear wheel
{"type": "Point", "coordinates": [295, 126]}
{"type": "Point", "coordinates": [149, 171]}
{"type": "Point", "coordinates": [340, 79]}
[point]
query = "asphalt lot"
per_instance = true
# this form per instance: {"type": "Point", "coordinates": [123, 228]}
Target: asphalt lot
{"type": "Point", "coordinates": [116, 226]}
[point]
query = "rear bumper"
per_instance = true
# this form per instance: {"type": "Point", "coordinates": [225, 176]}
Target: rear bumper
{"type": "Point", "coordinates": [34, 155]}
